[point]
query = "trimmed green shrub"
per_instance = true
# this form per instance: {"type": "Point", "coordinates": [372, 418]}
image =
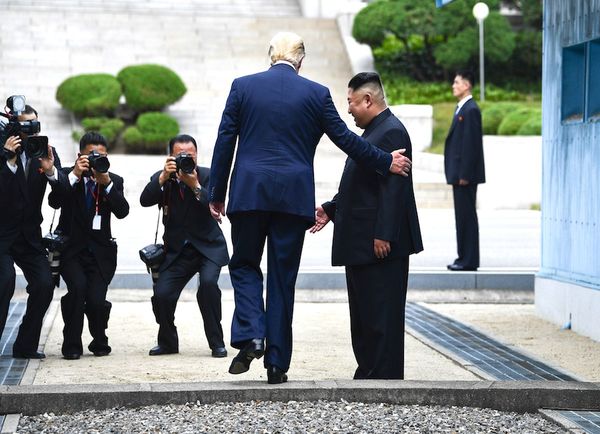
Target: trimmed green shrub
{"type": "Point", "coordinates": [89, 94]}
{"type": "Point", "coordinates": [493, 114]}
{"type": "Point", "coordinates": [151, 134]}
{"type": "Point", "coordinates": [533, 125]}
{"type": "Point", "coordinates": [108, 127]}
{"type": "Point", "coordinates": [512, 122]}
{"type": "Point", "coordinates": [150, 87]}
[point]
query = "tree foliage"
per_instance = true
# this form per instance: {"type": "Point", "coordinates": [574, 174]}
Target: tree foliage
{"type": "Point", "coordinates": [416, 39]}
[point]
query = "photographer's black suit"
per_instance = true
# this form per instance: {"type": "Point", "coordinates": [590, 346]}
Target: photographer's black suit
{"type": "Point", "coordinates": [89, 261]}
{"type": "Point", "coordinates": [21, 197]}
{"type": "Point", "coordinates": [369, 206]}
{"type": "Point", "coordinates": [194, 243]}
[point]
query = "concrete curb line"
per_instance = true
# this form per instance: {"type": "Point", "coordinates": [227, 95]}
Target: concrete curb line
{"type": "Point", "coordinates": [500, 395]}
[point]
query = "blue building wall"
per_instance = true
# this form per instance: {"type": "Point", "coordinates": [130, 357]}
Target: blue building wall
{"type": "Point", "coordinates": [571, 150]}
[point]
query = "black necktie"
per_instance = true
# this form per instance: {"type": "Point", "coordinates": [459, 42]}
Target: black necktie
{"type": "Point", "coordinates": [89, 196]}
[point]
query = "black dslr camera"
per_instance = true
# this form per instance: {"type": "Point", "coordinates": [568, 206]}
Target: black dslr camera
{"type": "Point", "coordinates": [55, 243]}
{"type": "Point", "coordinates": [153, 256]}
{"type": "Point", "coordinates": [185, 163]}
{"type": "Point", "coordinates": [98, 162]}
{"type": "Point", "coordinates": [33, 146]}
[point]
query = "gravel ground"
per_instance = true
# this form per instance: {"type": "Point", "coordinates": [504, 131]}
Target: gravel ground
{"type": "Point", "coordinates": [290, 417]}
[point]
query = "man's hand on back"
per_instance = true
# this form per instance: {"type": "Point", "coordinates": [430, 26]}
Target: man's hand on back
{"type": "Point", "coordinates": [400, 164]}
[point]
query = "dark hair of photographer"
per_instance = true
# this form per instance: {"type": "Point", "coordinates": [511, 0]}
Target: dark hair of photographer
{"type": "Point", "coordinates": [181, 138]}
{"type": "Point", "coordinates": [92, 138]}
{"type": "Point", "coordinates": [30, 111]}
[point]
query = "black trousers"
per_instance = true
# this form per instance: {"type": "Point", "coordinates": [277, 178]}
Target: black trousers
{"type": "Point", "coordinates": [167, 290]}
{"type": "Point", "coordinates": [467, 225]}
{"type": "Point", "coordinates": [86, 295]}
{"type": "Point", "coordinates": [40, 288]}
{"type": "Point", "coordinates": [253, 318]}
{"type": "Point", "coordinates": [377, 299]}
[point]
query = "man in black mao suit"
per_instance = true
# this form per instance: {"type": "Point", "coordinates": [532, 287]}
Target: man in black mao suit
{"type": "Point", "coordinates": [89, 261]}
{"type": "Point", "coordinates": [463, 162]}
{"type": "Point", "coordinates": [23, 182]}
{"type": "Point", "coordinates": [376, 229]}
{"type": "Point", "coordinates": [194, 244]}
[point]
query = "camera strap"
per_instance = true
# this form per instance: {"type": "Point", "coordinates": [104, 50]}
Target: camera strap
{"type": "Point", "coordinates": [52, 222]}
{"type": "Point", "coordinates": [157, 223]}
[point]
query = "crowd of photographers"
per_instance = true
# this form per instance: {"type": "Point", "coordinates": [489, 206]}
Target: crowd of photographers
{"type": "Point", "coordinates": [82, 250]}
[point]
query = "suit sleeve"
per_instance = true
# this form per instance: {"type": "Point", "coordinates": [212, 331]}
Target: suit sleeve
{"type": "Point", "coordinates": [152, 193]}
{"type": "Point", "coordinates": [61, 185]}
{"type": "Point", "coordinates": [472, 144]}
{"type": "Point", "coordinates": [203, 179]}
{"type": "Point", "coordinates": [58, 195]}
{"type": "Point", "coordinates": [330, 207]}
{"type": "Point", "coordinates": [118, 204]}
{"type": "Point", "coordinates": [392, 191]}
{"type": "Point", "coordinates": [229, 129]}
{"type": "Point", "coordinates": [356, 147]}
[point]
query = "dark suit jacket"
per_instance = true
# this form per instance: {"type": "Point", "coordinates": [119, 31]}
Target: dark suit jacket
{"type": "Point", "coordinates": [368, 206]}
{"type": "Point", "coordinates": [76, 222]}
{"type": "Point", "coordinates": [279, 118]}
{"type": "Point", "coordinates": [186, 219]}
{"type": "Point", "coordinates": [21, 201]}
{"type": "Point", "coordinates": [463, 153]}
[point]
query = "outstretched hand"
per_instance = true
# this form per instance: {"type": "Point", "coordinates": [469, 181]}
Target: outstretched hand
{"type": "Point", "coordinates": [217, 209]}
{"type": "Point", "coordinates": [321, 219]}
{"type": "Point", "coordinates": [400, 164]}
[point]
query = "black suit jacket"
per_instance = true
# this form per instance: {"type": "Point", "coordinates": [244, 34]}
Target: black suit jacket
{"type": "Point", "coordinates": [186, 219]}
{"type": "Point", "coordinates": [369, 206]}
{"type": "Point", "coordinates": [463, 153]}
{"type": "Point", "coordinates": [76, 221]}
{"type": "Point", "coordinates": [21, 201]}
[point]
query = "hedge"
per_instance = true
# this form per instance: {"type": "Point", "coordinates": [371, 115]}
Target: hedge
{"type": "Point", "coordinates": [150, 134]}
{"type": "Point", "coordinates": [533, 125]}
{"type": "Point", "coordinates": [108, 127]}
{"type": "Point", "coordinates": [513, 121]}
{"type": "Point", "coordinates": [150, 87]}
{"type": "Point", "coordinates": [89, 94]}
{"type": "Point", "coordinates": [492, 115]}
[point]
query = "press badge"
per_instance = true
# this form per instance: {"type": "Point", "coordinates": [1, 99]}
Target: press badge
{"type": "Point", "coordinates": [97, 222]}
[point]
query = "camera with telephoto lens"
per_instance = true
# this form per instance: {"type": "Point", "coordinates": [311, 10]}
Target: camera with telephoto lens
{"type": "Point", "coordinates": [55, 243]}
{"type": "Point", "coordinates": [153, 256]}
{"type": "Point", "coordinates": [185, 163]}
{"type": "Point", "coordinates": [33, 146]}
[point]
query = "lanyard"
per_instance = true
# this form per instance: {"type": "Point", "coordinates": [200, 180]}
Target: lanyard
{"type": "Point", "coordinates": [96, 196]}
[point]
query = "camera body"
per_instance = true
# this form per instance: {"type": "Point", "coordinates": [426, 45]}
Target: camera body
{"type": "Point", "coordinates": [153, 256]}
{"type": "Point", "coordinates": [185, 163]}
{"type": "Point", "coordinates": [55, 243]}
{"type": "Point", "coordinates": [98, 162]}
{"type": "Point", "coordinates": [33, 146]}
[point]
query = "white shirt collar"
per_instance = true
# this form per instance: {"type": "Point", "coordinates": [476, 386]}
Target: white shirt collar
{"type": "Point", "coordinates": [284, 62]}
{"type": "Point", "coordinates": [463, 101]}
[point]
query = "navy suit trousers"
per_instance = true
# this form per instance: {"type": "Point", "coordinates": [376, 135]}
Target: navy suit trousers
{"type": "Point", "coordinates": [284, 234]}
{"type": "Point", "coordinates": [467, 225]}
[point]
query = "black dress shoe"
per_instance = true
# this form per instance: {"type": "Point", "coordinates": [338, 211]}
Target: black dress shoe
{"type": "Point", "coordinates": [102, 353]}
{"type": "Point", "coordinates": [457, 267]}
{"type": "Point", "coordinates": [28, 355]}
{"type": "Point", "coordinates": [253, 350]}
{"type": "Point", "coordinates": [276, 375]}
{"type": "Point", "coordinates": [219, 352]}
{"type": "Point", "coordinates": [74, 356]}
{"type": "Point", "coordinates": [159, 351]}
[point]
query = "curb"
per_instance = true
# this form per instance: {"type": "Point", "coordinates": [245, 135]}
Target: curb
{"type": "Point", "coordinates": [512, 396]}
{"type": "Point", "coordinates": [494, 279]}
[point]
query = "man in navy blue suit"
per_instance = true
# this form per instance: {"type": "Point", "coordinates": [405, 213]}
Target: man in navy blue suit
{"type": "Point", "coordinates": [277, 119]}
{"type": "Point", "coordinates": [463, 161]}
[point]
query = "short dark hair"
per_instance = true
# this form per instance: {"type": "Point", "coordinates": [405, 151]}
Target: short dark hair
{"type": "Point", "coordinates": [362, 78]}
{"type": "Point", "coordinates": [468, 75]}
{"type": "Point", "coordinates": [181, 138]}
{"type": "Point", "coordinates": [92, 138]}
{"type": "Point", "coordinates": [30, 111]}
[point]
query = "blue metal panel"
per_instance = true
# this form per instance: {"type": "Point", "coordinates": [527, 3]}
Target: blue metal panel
{"type": "Point", "coordinates": [571, 155]}
{"type": "Point", "coordinates": [573, 83]}
{"type": "Point", "coordinates": [594, 83]}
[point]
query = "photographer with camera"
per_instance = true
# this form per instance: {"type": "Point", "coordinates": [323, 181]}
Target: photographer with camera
{"type": "Point", "coordinates": [27, 165]}
{"type": "Point", "coordinates": [89, 260]}
{"type": "Point", "coordinates": [193, 242]}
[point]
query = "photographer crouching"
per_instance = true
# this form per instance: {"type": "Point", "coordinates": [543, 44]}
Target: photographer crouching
{"type": "Point", "coordinates": [193, 242]}
{"type": "Point", "coordinates": [27, 165]}
{"type": "Point", "coordinates": [89, 260]}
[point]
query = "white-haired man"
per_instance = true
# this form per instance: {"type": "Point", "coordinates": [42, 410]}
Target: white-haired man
{"type": "Point", "coordinates": [278, 118]}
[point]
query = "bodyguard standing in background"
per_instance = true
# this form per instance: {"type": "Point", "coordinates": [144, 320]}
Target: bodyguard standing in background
{"type": "Point", "coordinates": [464, 166]}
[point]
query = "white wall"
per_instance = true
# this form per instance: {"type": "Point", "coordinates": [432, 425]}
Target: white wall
{"type": "Point", "coordinates": [418, 120]}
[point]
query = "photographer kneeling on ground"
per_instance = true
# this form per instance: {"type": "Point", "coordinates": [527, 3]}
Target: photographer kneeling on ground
{"type": "Point", "coordinates": [23, 179]}
{"type": "Point", "coordinates": [194, 244]}
{"type": "Point", "coordinates": [89, 259]}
